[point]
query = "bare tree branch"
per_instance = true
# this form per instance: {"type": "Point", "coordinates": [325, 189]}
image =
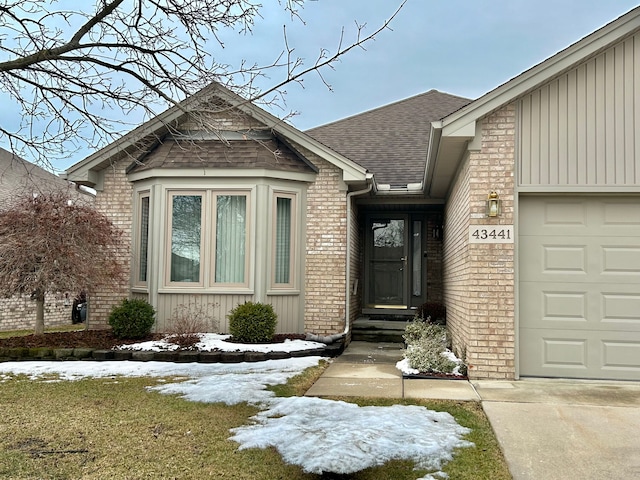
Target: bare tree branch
{"type": "Point", "coordinates": [135, 56]}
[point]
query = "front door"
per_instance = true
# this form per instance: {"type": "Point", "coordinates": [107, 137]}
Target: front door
{"type": "Point", "coordinates": [386, 271]}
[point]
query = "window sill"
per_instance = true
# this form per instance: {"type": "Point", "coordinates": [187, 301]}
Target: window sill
{"type": "Point", "coordinates": [200, 290]}
{"type": "Point", "coordinates": [283, 291]}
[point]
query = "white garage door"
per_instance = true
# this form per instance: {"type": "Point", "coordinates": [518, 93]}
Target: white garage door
{"type": "Point", "coordinates": [579, 296]}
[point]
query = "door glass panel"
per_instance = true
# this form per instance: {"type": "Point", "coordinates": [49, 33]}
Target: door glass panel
{"type": "Point", "coordinates": [388, 263]}
{"type": "Point", "coordinates": [416, 285]}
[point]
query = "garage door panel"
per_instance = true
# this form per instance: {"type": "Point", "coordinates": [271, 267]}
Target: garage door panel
{"type": "Point", "coordinates": [579, 287]}
{"type": "Point", "coordinates": [621, 214]}
{"type": "Point", "coordinates": [545, 218]}
{"type": "Point", "coordinates": [614, 216]}
{"type": "Point", "coordinates": [621, 311]}
{"type": "Point", "coordinates": [621, 260]}
{"type": "Point", "coordinates": [565, 354]}
{"type": "Point", "coordinates": [579, 306]}
{"type": "Point", "coordinates": [555, 260]}
{"type": "Point", "coordinates": [596, 259]}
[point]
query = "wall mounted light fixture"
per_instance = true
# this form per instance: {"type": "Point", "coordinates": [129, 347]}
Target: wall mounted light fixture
{"type": "Point", "coordinates": [493, 204]}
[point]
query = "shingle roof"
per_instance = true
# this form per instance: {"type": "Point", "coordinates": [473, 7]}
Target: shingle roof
{"type": "Point", "coordinates": [269, 154]}
{"type": "Point", "coordinates": [390, 141]}
{"type": "Point", "coordinates": [18, 176]}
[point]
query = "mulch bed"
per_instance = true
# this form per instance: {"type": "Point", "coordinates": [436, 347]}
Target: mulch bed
{"type": "Point", "coordinates": [96, 339]}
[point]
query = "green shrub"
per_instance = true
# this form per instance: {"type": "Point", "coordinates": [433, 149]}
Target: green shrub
{"type": "Point", "coordinates": [426, 344]}
{"type": "Point", "coordinates": [426, 356]}
{"type": "Point", "coordinates": [420, 329]}
{"type": "Point", "coordinates": [133, 318]}
{"type": "Point", "coordinates": [252, 323]}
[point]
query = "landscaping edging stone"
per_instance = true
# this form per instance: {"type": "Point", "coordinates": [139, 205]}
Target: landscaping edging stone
{"type": "Point", "coordinates": [183, 356]}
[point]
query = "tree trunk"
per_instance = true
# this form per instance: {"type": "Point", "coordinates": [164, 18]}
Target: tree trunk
{"type": "Point", "coordinates": [39, 330]}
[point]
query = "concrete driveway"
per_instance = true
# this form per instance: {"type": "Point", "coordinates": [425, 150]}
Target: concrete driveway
{"type": "Point", "coordinates": [561, 429]}
{"type": "Point", "coordinates": [548, 429]}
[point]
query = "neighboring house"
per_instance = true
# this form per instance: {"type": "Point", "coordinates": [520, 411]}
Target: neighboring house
{"type": "Point", "coordinates": [18, 176]}
{"type": "Point", "coordinates": [378, 213]}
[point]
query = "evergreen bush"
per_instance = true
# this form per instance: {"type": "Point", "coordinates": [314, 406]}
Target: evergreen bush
{"type": "Point", "coordinates": [252, 323]}
{"type": "Point", "coordinates": [133, 318]}
{"type": "Point", "coordinates": [427, 347]}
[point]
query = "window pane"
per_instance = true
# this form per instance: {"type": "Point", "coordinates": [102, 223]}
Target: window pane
{"type": "Point", "coordinates": [231, 218]}
{"type": "Point", "coordinates": [283, 241]}
{"type": "Point", "coordinates": [185, 238]}
{"type": "Point", "coordinates": [144, 238]}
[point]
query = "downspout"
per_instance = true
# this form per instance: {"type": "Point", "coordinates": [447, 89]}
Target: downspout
{"type": "Point", "coordinates": [347, 324]}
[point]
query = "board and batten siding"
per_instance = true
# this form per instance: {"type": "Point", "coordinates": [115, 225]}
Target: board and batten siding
{"type": "Point", "coordinates": [583, 128]}
{"type": "Point", "coordinates": [219, 306]}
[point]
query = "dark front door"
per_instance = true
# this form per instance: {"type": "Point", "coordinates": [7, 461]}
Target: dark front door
{"type": "Point", "coordinates": [387, 272]}
{"type": "Point", "coordinates": [395, 262]}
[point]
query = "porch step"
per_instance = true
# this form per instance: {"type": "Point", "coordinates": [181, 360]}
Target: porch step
{"type": "Point", "coordinates": [365, 329]}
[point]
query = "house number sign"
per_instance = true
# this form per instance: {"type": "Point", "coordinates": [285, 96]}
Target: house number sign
{"type": "Point", "coordinates": [491, 234]}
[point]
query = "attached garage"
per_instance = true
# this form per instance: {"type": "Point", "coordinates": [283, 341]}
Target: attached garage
{"type": "Point", "coordinates": [579, 286]}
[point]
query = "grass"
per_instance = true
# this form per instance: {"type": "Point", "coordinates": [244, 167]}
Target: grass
{"type": "Point", "coordinates": [61, 328]}
{"type": "Point", "coordinates": [117, 428]}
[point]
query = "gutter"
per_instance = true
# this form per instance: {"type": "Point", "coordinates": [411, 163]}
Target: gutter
{"type": "Point", "coordinates": [329, 339]}
{"type": "Point", "coordinates": [435, 136]}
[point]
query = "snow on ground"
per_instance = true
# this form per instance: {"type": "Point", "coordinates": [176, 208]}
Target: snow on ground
{"type": "Point", "coordinates": [316, 434]}
{"type": "Point", "coordinates": [215, 342]}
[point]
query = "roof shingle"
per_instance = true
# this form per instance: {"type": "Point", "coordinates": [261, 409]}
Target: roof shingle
{"type": "Point", "coordinates": [268, 154]}
{"type": "Point", "coordinates": [390, 141]}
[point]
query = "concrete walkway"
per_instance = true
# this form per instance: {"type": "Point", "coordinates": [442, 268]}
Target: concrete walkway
{"type": "Point", "coordinates": [548, 429]}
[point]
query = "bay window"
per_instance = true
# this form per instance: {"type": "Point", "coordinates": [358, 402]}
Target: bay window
{"type": "Point", "coordinates": [231, 239]}
{"type": "Point", "coordinates": [186, 238]}
{"type": "Point", "coordinates": [143, 239]}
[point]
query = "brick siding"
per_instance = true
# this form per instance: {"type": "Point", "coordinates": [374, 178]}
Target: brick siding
{"type": "Point", "coordinates": [479, 278]}
{"type": "Point", "coordinates": [326, 252]}
{"type": "Point", "coordinates": [116, 202]}
{"type": "Point", "coordinates": [19, 312]}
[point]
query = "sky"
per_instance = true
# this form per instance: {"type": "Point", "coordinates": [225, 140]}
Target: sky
{"type": "Point", "coordinates": [462, 47]}
{"type": "Point", "coordinates": [314, 433]}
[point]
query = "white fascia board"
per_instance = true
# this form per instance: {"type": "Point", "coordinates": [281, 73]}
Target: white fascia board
{"type": "Point", "coordinates": [542, 72]}
{"type": "Point", "coordinates": [221, 174]}
{"type": "Point", "coordinates": [467, 131]}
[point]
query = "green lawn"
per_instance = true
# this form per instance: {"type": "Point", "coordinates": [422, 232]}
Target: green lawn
{"type": "Point", "coordinates": [116, 428]}
{"type": "Point", "coordinates": [62, 328]}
